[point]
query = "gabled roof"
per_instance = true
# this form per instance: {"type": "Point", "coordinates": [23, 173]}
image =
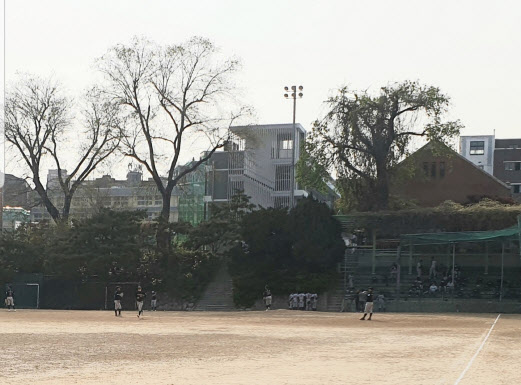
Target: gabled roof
{"type": "Point", "coordinates": [432, 143]}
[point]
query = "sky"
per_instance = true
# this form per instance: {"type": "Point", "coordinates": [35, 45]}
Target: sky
{"type": "Point", "coordinates": [470, 49]}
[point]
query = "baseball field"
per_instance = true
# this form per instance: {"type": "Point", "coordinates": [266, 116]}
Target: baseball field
{"type": "Point", "coordinates": [276, 347]}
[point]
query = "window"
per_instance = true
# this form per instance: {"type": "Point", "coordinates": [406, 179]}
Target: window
{"type": "Point", "coordinates": [287, 144]}
{"type": "Point", "coordinates": [426, 169]}
{"type": "Point", "coordinates": [516, 188]}
{"type": "Point", "coordinates": [283, 146]}
{"type": "Point", "coordinates": [433, 170]}
{"type": "Point", "coordinates": [512, 166]}
{"type": "Point", "coordinates": [442, 169]}
{"type": "Point", "coordinates": [282, 178]}
{"type": "Point", "coordinates": [477, 147]}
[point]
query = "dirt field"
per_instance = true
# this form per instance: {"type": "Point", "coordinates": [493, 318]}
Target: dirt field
{"type": "Point", "coordinates": [278, 347]}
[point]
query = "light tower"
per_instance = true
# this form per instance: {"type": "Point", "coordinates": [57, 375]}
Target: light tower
{"type": "Point", "coordinates": [294, 95]}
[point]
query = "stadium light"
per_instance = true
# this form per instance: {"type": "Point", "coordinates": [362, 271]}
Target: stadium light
{"type": "Point", "coordinates": [294, 96]}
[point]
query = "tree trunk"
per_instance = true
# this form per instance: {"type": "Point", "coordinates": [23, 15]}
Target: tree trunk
{"type": "Point", "coordinates": [163, 232]}
{"type": "Point", "coordinates": [382, 187]}
{"type": "Point", "coordinates": [51, 209]}
{"type": "Point", "coordinates": [67, 200]}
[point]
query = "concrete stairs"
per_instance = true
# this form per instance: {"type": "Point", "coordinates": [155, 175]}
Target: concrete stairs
{"type": "Point", "coordinates": [347, 267]}
{"type": "Point", "coordinates": [218, 296]}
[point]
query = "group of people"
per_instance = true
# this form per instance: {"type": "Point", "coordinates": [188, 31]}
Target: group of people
{"type": "Point", "coordinates": [432, 285]}
{"type": "Point", "coordinates": [140, 296]}
{"type": "Point", "coordinates": [303, 301]}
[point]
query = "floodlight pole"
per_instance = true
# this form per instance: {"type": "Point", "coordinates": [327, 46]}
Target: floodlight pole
{"type": "Point", "coordinates": [502, 263]}
{"type": "Point", "coordinates": [453, 268]}
{"type": "Point", "coordinates": [294, 96]}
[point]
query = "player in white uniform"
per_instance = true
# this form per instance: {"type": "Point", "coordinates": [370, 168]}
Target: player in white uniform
{"type": "Point", "coordinates": [301, 301]}
{"type": "Point", "coordinates": [294, 303]}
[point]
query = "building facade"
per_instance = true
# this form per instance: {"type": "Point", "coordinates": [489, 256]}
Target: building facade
{"type": "Point", "coordinates": [479, 149]}
{"type": "Point", "coordinates": [498, 157]}
{"type": "Point", "coordinates": [133, 193]}
{"type": "Point", "coordinates": [440, 174]}
{"type": "Point", "coordinates": [260, 161]}
{"type": "Point", "coordinates": [507, 164]}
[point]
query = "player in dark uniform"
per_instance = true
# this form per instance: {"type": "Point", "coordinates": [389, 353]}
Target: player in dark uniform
{"type": "Point", "coordinates": [118, 296]}
{"type": "Point", "coordinates": [9, 299]}
{"type": "Point", "coordinates": [368, 305]}
{"type": "Point", "coordinates": [140, 298]}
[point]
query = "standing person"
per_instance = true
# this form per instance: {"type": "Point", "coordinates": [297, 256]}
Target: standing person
{"type": "Point", "coordinates": [368, 305]}
{"type": "Point", "coordinates": [419, 268]}
{"type": "Point", "coordinates": [294, 301]}
{"type": "Point", "coordinates": [301, 301]}
{"type": "Point", "coordinates": [314, 300]}
{"type": "Point", "coordinates": [380, 300]}
{"type": "Point", "coordinates": [118, 296]}
{"type": "Point", "coordinates": [432, 270]}
{"type": "Point", "coordinates": [357, 301]}
{"type": "Point", "coordinates": [153, 301]}
{"type": "Point", "coordinates": [308, 301]}
{"type": "Point", "coordinates": [267, 297]}
{"type": "Point", "coordinates": [140, 297]}
{"type": "Point", "coordinates": [362, 296]}
{"type": "Point", "coordinates": [9, 299]}
{"type": "Point", "coordinates": [394, 272]}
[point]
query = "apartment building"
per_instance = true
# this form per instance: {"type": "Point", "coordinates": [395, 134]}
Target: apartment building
{"type": "Point", "coordinates": [498, 157]}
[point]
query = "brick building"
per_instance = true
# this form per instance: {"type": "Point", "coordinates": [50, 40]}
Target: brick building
{"type": "Point", "coordinates": [435, 173]}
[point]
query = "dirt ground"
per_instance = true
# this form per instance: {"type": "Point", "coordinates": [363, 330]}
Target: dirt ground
{"type": "Point", "coordinates": [277, 347]}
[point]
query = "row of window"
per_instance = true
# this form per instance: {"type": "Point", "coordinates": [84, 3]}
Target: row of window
{"type": "Point", "coordinates": [477, 147]}
{"type": "Point", "coordinates": [512, 166]}
{"type": "Point", "coordinates": [431, 169]}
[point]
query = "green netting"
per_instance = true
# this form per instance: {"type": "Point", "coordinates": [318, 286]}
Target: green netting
{"type": "Point", "coordinates": [513, 233]}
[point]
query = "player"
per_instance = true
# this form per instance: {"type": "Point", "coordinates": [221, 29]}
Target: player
{"type": "Point", "coordinates": [308, 301]}
{"type": "Point", "coordinates": [118, 296]}
{"type": "Point", "coordinates": [368, 305]}
{"type": "Point", "coordinates": [9, 299]}
{"type": "Point", "coordinates": [314, 300]}
{"type": "Point", "coordinates": [153, 302]}
{"type": "Point", "coordinates": [140, 297]}
{"type": "Point", "coordinates": [267, 297]}
{"type": "Point", "coordinates": [301, 304]}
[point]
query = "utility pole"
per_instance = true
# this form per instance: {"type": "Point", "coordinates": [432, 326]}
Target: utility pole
{"type": "Point", "coordinates": [294, 95]}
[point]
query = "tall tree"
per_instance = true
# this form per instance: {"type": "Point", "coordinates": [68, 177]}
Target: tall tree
{"type": "Point", "coordinates": [363, 136]}
{"type": "Point", "coordinates": [172, 95]}
{"type": "Point", "coordinates": [38, 121]}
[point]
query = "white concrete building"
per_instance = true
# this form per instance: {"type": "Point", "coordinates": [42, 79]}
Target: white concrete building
{"type": "Point", "coordinates": [479, 149]}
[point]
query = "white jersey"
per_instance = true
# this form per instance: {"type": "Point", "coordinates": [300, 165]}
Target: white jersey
{"type": "Point", "coordinates": [301, 299]}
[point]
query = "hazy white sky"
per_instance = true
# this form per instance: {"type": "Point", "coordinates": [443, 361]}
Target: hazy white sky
{"type": "Point", "coordinates": [470, 49]}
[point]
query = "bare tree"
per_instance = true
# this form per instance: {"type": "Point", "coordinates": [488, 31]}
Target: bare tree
{"type": "Point", "coordinates": [38, 119]}
{"type": "Point", "coordinates": [173, 94]}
